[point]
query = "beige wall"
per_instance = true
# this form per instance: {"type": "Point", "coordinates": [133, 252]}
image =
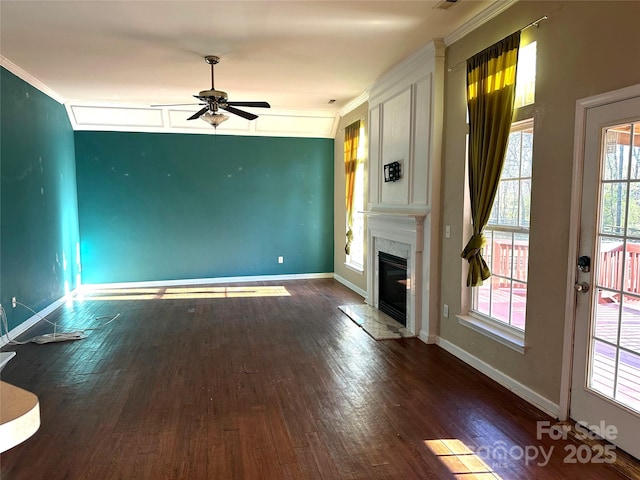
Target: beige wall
{"type": "Point", "coordinates": [584, 48]}
{"type": "Point", "coordinates": [357, 279]}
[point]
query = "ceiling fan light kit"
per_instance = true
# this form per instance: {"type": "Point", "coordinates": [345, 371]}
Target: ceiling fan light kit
{"type": "Point", "coordinates": [213, 99]}
{"type": "Point", "coordinates": [214, 119]}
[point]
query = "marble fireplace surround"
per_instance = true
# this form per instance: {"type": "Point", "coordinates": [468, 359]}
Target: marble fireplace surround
{"type": "Point", "coordinates": [402, 235]}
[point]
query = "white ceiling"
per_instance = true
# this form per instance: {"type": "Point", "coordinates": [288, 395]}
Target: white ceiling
{"type": "Point", "coordinates": [293, 54]}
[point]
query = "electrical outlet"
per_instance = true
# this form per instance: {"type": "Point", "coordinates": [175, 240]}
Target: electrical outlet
{"type": "Point", "coordinates": [14, 302]}
{"type": "Point", "coordinates": [281, 259]}
{"type": "Point", "coordinates": [445, 310]}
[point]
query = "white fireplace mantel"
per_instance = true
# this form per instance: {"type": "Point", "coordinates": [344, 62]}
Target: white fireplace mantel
{"type": "Point", "coordinates": [402, 225]}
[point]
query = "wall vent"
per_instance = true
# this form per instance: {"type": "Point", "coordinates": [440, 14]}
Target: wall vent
{"type": "Point", "coordinates": [445, 4]}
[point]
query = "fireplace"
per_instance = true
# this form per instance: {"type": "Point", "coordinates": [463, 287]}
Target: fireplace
{"type": "Point", "coordinates": [401, 236]}
{"type": "Point", "coordinates": [392, 288]}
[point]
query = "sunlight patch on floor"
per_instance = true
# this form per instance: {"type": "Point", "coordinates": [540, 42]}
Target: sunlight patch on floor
{"type": "Point", "coordinates": [179, 293]}
{"type": "Point", "coordinates": [461, 460]}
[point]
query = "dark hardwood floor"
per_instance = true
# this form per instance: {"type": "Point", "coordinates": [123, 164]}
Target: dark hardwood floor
{"type": "Point", "coordinates": [185, 386]}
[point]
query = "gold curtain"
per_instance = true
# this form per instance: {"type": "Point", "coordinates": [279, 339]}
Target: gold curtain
{"type": "Point", "coordinates": [491, 82]}
{"type": "Point", "coordinates": [351, 142]}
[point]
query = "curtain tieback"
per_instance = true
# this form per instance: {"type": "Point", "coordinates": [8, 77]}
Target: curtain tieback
{"type": "Point", "coordinates": [474, 247]}
{"type": "Point", "coordinates": [347, 247]}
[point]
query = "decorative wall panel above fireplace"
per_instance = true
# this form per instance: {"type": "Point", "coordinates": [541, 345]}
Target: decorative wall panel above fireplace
{"type": "Point", "coordinates": [405, 118]}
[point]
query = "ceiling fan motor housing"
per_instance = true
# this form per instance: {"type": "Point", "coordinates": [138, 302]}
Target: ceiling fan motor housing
{"type": "Point", "coordinates": [216, 95]}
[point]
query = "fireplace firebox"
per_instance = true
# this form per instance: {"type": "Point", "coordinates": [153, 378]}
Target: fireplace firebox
{"type": "Point", "coordinates": [392, 286]}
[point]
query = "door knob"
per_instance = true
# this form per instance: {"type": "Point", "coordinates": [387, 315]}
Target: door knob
{"type": "Point", "coordinates": [582, 287]}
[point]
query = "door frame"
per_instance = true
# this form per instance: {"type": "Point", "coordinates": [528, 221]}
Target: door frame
{"type": "Point", "coordinates": [582, 106]}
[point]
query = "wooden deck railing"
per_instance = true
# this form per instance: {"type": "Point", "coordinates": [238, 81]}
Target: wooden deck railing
{"type": "Point", "coordinates": [611, 264]}
{"type": "Point", "coordinates": [501, 262]}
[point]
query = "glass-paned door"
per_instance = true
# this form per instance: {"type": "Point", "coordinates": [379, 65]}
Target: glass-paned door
{"type": "Point", "coordinates": [606, 375]}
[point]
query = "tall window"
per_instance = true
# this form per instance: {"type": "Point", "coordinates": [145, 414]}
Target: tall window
{"type": "Point", "coordinates": [503, 297]}
{"type": "Point", "coordinates": [526, 76]}
{"type": "Point", "coordinates": [355, 257]}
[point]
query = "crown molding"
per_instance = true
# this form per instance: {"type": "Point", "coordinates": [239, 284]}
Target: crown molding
{"type": "Point", "coordinates": [30, 79]}
{"type": "Point", "coordinates": [483, 17]}
{"type": "Point", "coordinates": [410, 70]}
{"type": "Point", "coordinates": [108, 116]}
{"type": "Point", "coordinates": [353, 104]}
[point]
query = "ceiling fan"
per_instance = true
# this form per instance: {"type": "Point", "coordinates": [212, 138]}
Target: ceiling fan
{"type": "Point", "coordinates": [213, 100]}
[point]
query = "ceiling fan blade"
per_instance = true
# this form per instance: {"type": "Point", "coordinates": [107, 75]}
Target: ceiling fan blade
{"type": "Point", "coordinates": [250, 104]}
{"type": "Point", "coordinates": [175, 104]}
{"type": "Point", "coordinates": [240, 113]}
{"type": "Point", "coordinates": [198, 113]}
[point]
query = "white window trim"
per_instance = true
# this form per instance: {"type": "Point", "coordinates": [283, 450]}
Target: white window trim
{"type": "Point", "coordinates": [355, 267]}
{"type": "Point", "coordinates": [500, 332]}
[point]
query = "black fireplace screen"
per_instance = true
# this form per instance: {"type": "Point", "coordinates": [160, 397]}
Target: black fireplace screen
{"type": "Point", "coordinates": [392, 287]}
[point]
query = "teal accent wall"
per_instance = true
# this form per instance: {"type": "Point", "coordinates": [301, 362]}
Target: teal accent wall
{"type": "Point", "coordinates": [156, 206]}
{"type": "Point", "coordinates": [39, 215]}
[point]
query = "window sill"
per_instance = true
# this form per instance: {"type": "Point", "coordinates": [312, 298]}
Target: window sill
{"type": "Point", "coordinates": [506, 335]}
{"type": "Point", "coordinates": [354, 267]}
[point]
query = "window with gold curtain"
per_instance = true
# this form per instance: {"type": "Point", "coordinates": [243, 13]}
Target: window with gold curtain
{"type": "Point", "coordinates": [351, 142]}
{"type": "Point", "coordinates": [491, 82]}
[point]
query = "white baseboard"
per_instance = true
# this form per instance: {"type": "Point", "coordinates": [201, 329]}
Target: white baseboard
{"type": "Point", "coordinates": [506, 381]}
{"type": "Point", "coordinates": [15, 332]}
{"type": "Point", "coordinates": [348, 284]}
{"type": "Point", "coordinates": [208, 281]}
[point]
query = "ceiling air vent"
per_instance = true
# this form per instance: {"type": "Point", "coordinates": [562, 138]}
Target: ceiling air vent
{"type": "Point", "coordinates": [444, 4]}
